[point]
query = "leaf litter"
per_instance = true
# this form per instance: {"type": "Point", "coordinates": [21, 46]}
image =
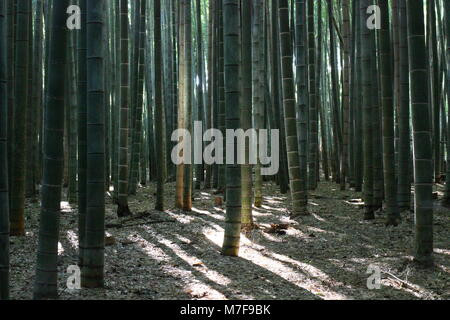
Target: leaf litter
{"type": "Point", "coordinates": [176, 255]}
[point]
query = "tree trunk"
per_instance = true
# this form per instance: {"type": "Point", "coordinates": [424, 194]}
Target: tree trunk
{"type": "Point", "coordinates": [17, 209]}
{"type": "Point", "coordinates": [232, 61]}
{"type": "Point", "coordinates": [404, 142]}
{"type": "Point", "coordinates": [299, 205]}
{"type": "Point", "coordinates": [302, 89]}
{"type": "Point", "coordinates": [4, 201]}
{"type": "Point", "coordinates": [446, 200]}
{"type": "Point", "coordinates": [93, 267]}
{"type": "Point", "coordinates": [390, 187]}
{"type": "Point", "coordinates": [122, 194]}
{"type": "Point", "coordinates": [423, 158]}
{"type": "Point", "coordinates": [312, 117]}
{"type": "Point", "coordinates": [367, 111]}
{"type": "Point", "coordinates": [45, 285]}
{"type": "Point", "coordinates": [82, 131]}
{"type": "Point", "coordinates": [246, 111]}
{"type": "Point", "coordinates": [159, 115]}
{"type": "Point", "coordinates": [187, 193]}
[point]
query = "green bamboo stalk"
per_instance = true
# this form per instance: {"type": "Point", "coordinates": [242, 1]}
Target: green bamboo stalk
{"type": "Point", "coordinates": [299, 207]}
{"type": "Point", "coordinates": [31, 133]}
{"type": "Point", "coordinates": [4, 201]}
{"type": "Point", "coordinates": [246, 114]}
{"type": "Point", "coordinates": [302, 85]}
{"type": "Point", "coordinates": [199, 169]}
{"type": "Point", "coordinates": [345, 93]}
{"type": "Point", "coordinates": [232, 62]}
{"type": "Point", "coordinates": [136, 110]}
{"type": "Point", "coordinates": [179, 194]}
{"type": "Point", "coordinates": [312, 104]}
{"type": "Point", "coordinates": [92, 275]}
{"type": "Point", "coordinates": [358, 135]}
{"type": "Point", "coordinates": [17, 209]}
{"type": "Point", "coordinates": [72, 116]}
{"type": "Point", "coordinates": [82, 131]}
{"type": "Point", "coordinates": [221, 93]}
{"type": "Point", "coordinates": [188, 168]}
{"type": "Point", "coordinates": [367, 111]}
{"type": "Point", "coordinates": [377, 144]}
{"type": "Point", "coordinates": [434, 84]}
{"type": "Point", "coordinates": [257, 92]}
{"type": "Point", "coordinates": [423, 158]}
{"type": "Point", "coordinates": [10, 42]}
{"type": "Point", "coordinates": [319, 96]}
{"type": "Point", "coordinates": [283, 175]}
{"type": "Point", "coordinates": [446, 199]}
{"type": "Point", "coordinates": [159, 115]}
{"type": "Point", "coordinates": [404, 143]}
{"type": "Point", "coordinates": [137, 132]}
{"type": "Point", "coordinates": [45, 285]}
{"type": "Point", "coordinates": [115, 111]}
{"type": "Point", "coordinates": [210, 86]}
{"type": "Point", "coordinates": [390, 187]}
{"type": "Point", "coordinates": [122, 194]}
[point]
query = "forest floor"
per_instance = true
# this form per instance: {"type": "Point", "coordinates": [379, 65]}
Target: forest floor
{"type": "Point", "coordinates": [176, 255]}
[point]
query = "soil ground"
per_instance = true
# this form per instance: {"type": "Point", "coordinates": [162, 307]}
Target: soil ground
{"type": "Point", "coordinates": [176, 255]}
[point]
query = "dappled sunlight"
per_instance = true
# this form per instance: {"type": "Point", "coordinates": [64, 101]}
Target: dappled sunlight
{"type": "Point", "coordinates": [217, 216]}
{"type": "Point", "coordinates": [272, 238]}
{"type": "Point", "coordinates": [184, 219]}
{"type": "Point", "coordinates": [191, 260]}
{"type": "Point", "coordinates": [60, 249]}
{"type": "Point", "coordinates": [253, 253]}
{"type": "Point", "coordinates": [204, 196]}
{"type": "Point", "coordinates": [355, 202]}
{"type": "Point", "coordinates": [321, 231]}
{"type": "Point", "coordinates": [66, 207]}
{"type": "Point", "coordinates": [201, 291]}
{"type": "Point", "coordinates": [149, 248]}
{"type": "Point", "coordinates": [194, 287]}
{"type": "Point", "coordinates": [72, 238]}
{"type": "Point", "coordinates": [317, 217]}
{"type": "Point", "coordinates": [309, 269]}
{"type": "Point", "coordinates": [442, 251]}
{"type": "Point", "coordinates": [266, 207]}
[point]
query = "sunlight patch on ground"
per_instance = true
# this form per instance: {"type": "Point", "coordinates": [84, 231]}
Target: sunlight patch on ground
{"type": "Point", "coordinates": [355, 202]}
{"type": "Point", "coordinates": [443, 268]}
{"type": "Point", "coordinates": [200, 291]}
{"type": "Point", "coordinates": [318, 230]}
{"type": "Point", "coordinates": [310, 270]}
{"type": "Point", "coordinates": [208, 213]}
{"type": "Point", "coordinates": [272, 238]}
{"type": "Point", "coordinates": [266, 207]}
{"type": "Point", "coordinates": [66, 207]}
{"type": "Point", "coordinates": [252, 253]}
{"type": "Point", "coordinates": [442, 251]}
{"type": "Point", "coordinates": [181, 218]}
{"type": "Point", "coordinates": [205, 196]}
{"type": "Point", "coordinates": [274, 200]}
{"type": "Point", "coordinates": [60, 249]}
{"type": "Point", "coordinates": [220, 209]}
{"type": "Point", "coordinates": [72, 237]}
{"type": "Point", "coordinates": [149, 248]}
{"type": "Point", "coordinates": [343, 265]}
{"type": "Point", "coordinates": [193, 261]}
{"type": "Point", "coordinates": [317, 217]}
{"type": "Point", "coordinates": [405, 285]}
{"type": "Point", "coordinates": [257, 213]}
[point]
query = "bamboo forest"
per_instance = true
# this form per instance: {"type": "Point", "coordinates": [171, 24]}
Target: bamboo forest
{"type": "Point", "coordinates": [224, 150]}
